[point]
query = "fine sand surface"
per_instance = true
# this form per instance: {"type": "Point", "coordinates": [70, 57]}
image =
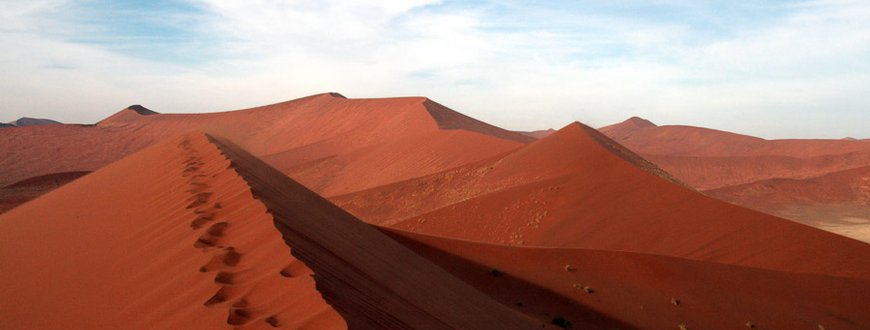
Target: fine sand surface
{"type": "Point", "coordinates": [709, 159]}
{"type": "Point", "coordinates": [576, 188]}
{"type": "Point", "coordinates": [469, 225]}
{"type": "Point", "coordinates": [373, 281]}
{"type": "Point", "coordinates": [596, 289]}
{"type": "Point", "coordinates": [329, 143]}
{"type": "Point", "coordinates": [169, 238]}
{"type": "Point", "coordinates": [182, 236]}
{"type": "Point", "coordinates": [17, 193]}
{"type": "Point", "coordinates": [838, 202]}
{"type": "Point", "coordinates": [815, 182]}
{"type": "Point", "coordinates": [203, 235]}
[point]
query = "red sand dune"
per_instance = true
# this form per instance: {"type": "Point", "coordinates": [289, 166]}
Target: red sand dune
{"type": "Point", "coordinates": [708, 159]}
{"type": "Point", "coordinates": [483, 229]}
{"type": "Point", "coordinates": [576, 188]}
{"type": "Point", "coordinates": [373, 281]}
{"type": "Point", "coordinates": [815, 182]}
{"type": "Point", "coordinates": [167, 238]}
{"type": "Point", "coordinates": [849, 186]}
{"type": "Point", "coordinates": [17, 193]}
{"type": "Point", "coordinates": [183, 235]}
{"type": "Point", "coordinates": [329, 143]}
{"type": "Point", "coordinates": [640, 290]}
{"type": "Point", "coordinates": [838, 202]}
{"type": "Point", "coordinates": [193, 239]}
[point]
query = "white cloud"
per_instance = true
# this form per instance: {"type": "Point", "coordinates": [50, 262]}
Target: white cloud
{"type": "Point", "coordinates": [515, 65]}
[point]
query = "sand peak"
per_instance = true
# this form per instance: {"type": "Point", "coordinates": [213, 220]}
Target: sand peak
{"type": "Point", "coordinates": [579, 131]}
{"type": "Point", "coordinates": [639, 122]}
{"type": "Point", "coordinates": [141, 110]}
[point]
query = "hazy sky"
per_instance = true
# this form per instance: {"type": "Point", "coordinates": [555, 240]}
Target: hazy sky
{"type": "Point", "coordinates": [768, 68]}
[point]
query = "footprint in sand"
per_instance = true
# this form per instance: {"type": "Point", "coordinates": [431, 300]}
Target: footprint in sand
{"type": "Point", "coordinates": [239, 316]}
{"type": "Point", "coordinates": [212, 235]}
{"type": "Point", "coordinates": [222, 295]}
{"type": "Point", "coordinates": [273, 321]}
{"type": "Point", "coordinates": [201, 219]}
{"type": "Point", "coordinates": [287, 273]}
{"type": "Point", "coordinates": [224, 278]}
{"type": "Point", "coordinates": [226, 257]}
{"type": "Point", "coordinates": [231, 257]}
{"type": "Point", "coordinates": [199, 199]}
{"type": "Point", "coordinates": [189, 169]}
{"type": "Point", "coordinates": [218, 229]}
{"type": "Point", "coordinates": [293, 269]}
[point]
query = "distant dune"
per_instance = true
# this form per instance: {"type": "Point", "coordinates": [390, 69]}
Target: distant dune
{"type": "Point", "coordinates": [20, 192]}
{"type": "Point", "coordinates": [327, 142]}
{"type": "Point", "coordinates": [577, 188]}
{"type": "Point", "coordinates": [187, 234]}
{"type": "Point", "coordinates": [761, 174]}
{"type": "Point", "coordinates": [838, 202]}
{"type": "Point", "coordinates": [709, 159]}
{"type": "Point", "coordinates": [371, 280]}
{"type": "Point", "coordinates": [195, 238]}
{"type": "Point", "coordinates": [329, 213]}
{"type": "Point", "coordinates": [27, 121]}
{"type": "Point", "coordinates": [128, 114]}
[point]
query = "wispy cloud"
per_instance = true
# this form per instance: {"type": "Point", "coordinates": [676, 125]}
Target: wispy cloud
{"type": "Point", "coordinates": [775, 69]}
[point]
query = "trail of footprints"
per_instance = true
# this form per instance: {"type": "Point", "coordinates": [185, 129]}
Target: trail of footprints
{"type": "Point", "coordinates": [224, 257]}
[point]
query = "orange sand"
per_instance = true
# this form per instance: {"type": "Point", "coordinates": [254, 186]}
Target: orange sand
{"type": "Point", "coordinates": [329, 143]}
{"type": "Point", "coordinates": [475, 227]}
{"type": "Point", "coordinates": [815, 182]}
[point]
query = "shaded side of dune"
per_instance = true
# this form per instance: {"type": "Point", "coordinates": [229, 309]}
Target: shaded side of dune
{"type": "Point", "coordinates": [51, 180]}
{"type": "Point", "coordinates": [22, 191]}
{"type": "Point", "coordinates": [373, 281]}
{"type": "Point", "coordinates": [167, 238]}
{"type": "Point", "coordinates": [447, 118]}
{"type": "Point", "coordinates": [577, 188]}
{"type": "Point", "coordinates": [616, 290]}
{"type": "Point", "coordinates": [326, 142]}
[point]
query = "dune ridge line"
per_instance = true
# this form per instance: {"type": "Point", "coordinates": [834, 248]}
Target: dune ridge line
{"type": "Point", "coordinates": [372, 280]}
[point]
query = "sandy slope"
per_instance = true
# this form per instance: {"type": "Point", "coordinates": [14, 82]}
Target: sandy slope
{"type": "Point", "coordinates": [611, 289]}
{"type": "Point", "coordinates": [708, 159]}
{"type": "Point", "coordinates": [181, 236]}
{"type": "Point", "coordinates": [20, 192]}
{"type": "Point", "coordinates": [810, 181]}
{"type": "Point", "coordinates": [166, 238]}
{"type": "Point", "coordinates": [197, 235]}
{"type": "Point", "coordinates": [848, 186]}
{"type": "Point", "coordinates": [373, 281]}
{"type": "Point", "coordinates": [838, 202]}
{"type": "Point", "coordinates": [576, 188]}
{"type": "Point", "coordinates": [572, 228]}
{"type": "Point", "coordinates": [329, 143]}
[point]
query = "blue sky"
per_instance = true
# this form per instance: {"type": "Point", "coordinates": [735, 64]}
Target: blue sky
{"type": "Point", "coordinates": [774, 69]}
